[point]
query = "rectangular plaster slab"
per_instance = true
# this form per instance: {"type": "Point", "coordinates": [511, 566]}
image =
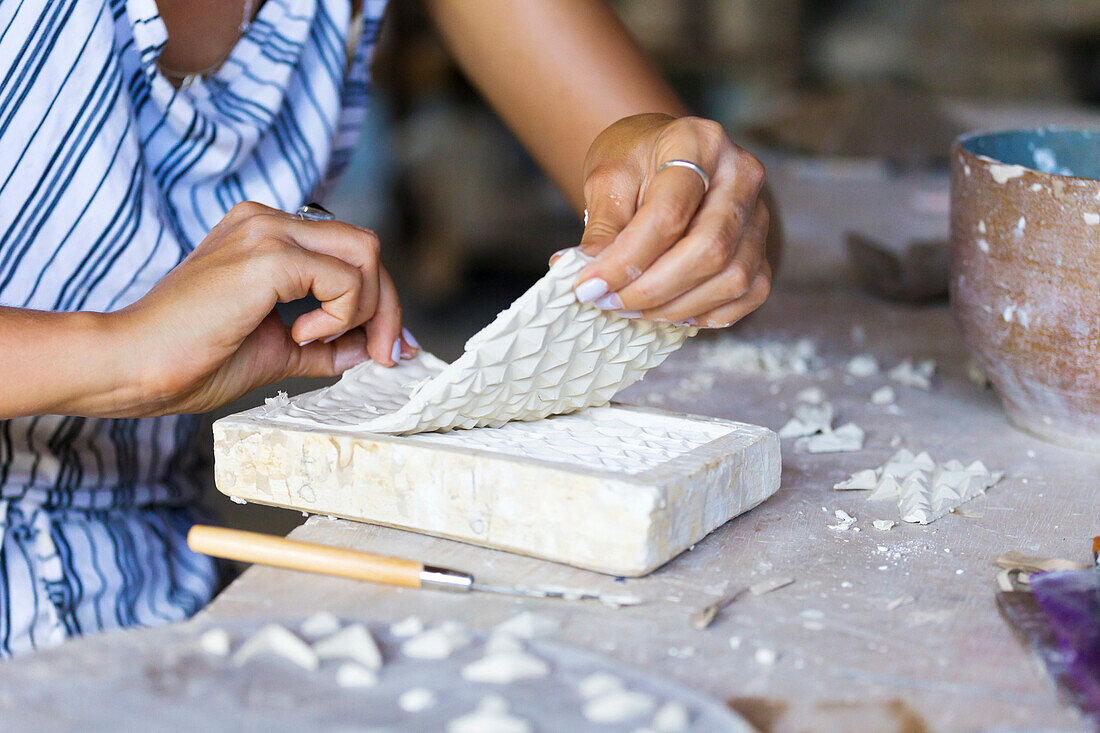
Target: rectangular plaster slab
{"type": "Point", "coordinates": [619, 490]}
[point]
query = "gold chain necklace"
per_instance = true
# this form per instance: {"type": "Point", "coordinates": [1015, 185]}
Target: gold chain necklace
{"type": "Point", "coordinates": [187, 78]}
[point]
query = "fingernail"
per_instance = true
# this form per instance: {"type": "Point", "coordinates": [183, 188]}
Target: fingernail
{"type": "Point", "coordinates": [409, 338]}
{"type": "Point", "coordinates": [395, 352]}
{"type": "Point", "coordinates": [592, 289]}
{"type": "Point", "coordinates": [330, 339]}
{"type": "Point", "coordinates": [688, 322]}
{"type": "Point", "coordinates": [629, 314]}
{"type": "Point", "coordinates": [306, 343]}
{"type": "Point", "coordinates": [610, 302]}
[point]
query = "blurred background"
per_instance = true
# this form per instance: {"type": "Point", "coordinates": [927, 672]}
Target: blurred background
{"type": "Point", "coordinates": [851, 104]}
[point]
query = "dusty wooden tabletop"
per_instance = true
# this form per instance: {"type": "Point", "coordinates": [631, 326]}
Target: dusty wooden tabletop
{"type": "Point", "coordinates": [904, 614]}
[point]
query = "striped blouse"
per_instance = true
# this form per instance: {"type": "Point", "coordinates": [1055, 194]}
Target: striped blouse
{"type": "Point", "coordinates": [109, 177]}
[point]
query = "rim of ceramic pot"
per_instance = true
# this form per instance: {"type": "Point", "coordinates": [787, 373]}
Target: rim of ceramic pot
{"type": "Point", "coordinates": [965, 144]}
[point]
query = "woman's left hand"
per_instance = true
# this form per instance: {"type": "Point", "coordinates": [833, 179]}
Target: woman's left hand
{"type": "Point", "coordinates": [666, 246]}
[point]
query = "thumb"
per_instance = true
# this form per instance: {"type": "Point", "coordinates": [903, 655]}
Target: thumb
{"type": "Point", "coordinates": [611, 195]}
{"type": "Point", "coordinates": [332, 359]}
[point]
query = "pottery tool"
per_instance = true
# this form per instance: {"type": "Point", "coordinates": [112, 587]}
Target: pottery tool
{"type": "Point", "coordinates": [262, 549]}
{"type": "Point", "coordinates": [703, 618]}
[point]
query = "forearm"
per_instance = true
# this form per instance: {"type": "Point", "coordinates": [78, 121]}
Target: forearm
{"type": "Point", "coordinates": [557, 71]}
{"type": "Point", "coordinates": [61, 363]}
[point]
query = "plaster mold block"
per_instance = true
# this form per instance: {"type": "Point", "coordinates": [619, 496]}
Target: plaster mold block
{"type": "Point", "coordinates": [545, 355]}
{"type": "Point", "coordinates": [923, 490]}
{"type": "Point", "coordinates": [614, 489]}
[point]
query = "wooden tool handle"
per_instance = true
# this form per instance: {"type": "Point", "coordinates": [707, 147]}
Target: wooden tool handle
{"type": "Point", "coordinates": [235, 544]}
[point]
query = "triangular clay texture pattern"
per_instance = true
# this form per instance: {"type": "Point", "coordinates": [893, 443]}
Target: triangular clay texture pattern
{"type": "Point", "coordinates": [547, 354]}
{"type": "Point", "coordinates": [924, 490]}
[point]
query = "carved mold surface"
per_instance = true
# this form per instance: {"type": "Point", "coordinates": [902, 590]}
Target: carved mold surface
{"type": "Point", "coordinates": [547, 354]}
{"type": "Point", "coordinates": [601, 437]}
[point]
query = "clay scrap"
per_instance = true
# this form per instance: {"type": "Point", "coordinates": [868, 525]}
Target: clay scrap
{"type": "Point", "coordinates": [770, 359]}
{"type": "Point", "coordinates": [923, 490]}
{"type": "Point", "coordinates": [812, 425]}
{"type": "Point", "coordinates": [547, 354]}
{"type": "Point", "coordinates": [490, 715]}
{"type": "Point", "coordinates": [919, 375]}
{"type": "Point", "coordinates": [276, 641]}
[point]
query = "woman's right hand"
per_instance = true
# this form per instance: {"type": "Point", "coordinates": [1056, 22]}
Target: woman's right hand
{"type": "Point", "coordinates": [207, 333]}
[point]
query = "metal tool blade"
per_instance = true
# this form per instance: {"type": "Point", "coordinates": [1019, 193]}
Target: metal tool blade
{"type": "Point", "coordinates": [566, 594]}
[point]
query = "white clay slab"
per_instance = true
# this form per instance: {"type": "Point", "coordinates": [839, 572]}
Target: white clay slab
{"type": "Point", "coordinates": [614, 489]}
{"type": "Point", "coordinates": [547, 354]}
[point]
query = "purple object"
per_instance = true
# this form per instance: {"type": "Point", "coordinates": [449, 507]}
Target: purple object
{"type": "Point", "coordinates": [1070, 600]}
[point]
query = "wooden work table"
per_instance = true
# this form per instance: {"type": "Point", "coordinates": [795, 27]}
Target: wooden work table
{"type": "Point", "coordinates": [944, 651]}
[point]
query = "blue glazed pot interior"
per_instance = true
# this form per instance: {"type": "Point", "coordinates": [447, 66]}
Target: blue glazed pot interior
{"type": "Point", "coordinates": [1061, 152]}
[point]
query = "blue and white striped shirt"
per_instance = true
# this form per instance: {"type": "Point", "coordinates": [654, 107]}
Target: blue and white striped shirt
{"type": "Point", "coordinates": [109, 176]}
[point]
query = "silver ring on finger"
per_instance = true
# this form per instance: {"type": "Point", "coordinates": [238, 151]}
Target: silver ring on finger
{"type": "Point", "coordinates": [691, 167]}
{"type": "Point", "coordinates": [314, 212]}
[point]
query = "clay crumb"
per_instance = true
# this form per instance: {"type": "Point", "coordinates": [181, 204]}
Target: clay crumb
{"type": "Point", "coordinates": [765, 657]}
{"type": "Point", "coordinates": [436, 643]}
{"type": "Point", "coordinates": [528, 625]}
{"type": "Point", "coordinates": [899, 601]}
{"type": "Point", "coordinates": [883, 525]}
{"type": "Point", "coordinates": [863, 365]}
{"type": "Point", "coordinates": [846, 521]}
{"type": "Point", "coordinates": [355, 643]}
{"type": "Point", "coordinates": [319, 624]}
{"type": "Point", "coordinates": [352, 674]}
{"type": "Point", "coordinates": [490, 716]}
{"type": "Point", "coordinates": [409, 626]}
{"type": "Point", "coordinates": [215, 641]}
{"type": "Point", "coordinates": [618, 706]}
{"type": "Point", "coordinates": [416, 700]}
{"type": "Point", "coordinates": [275, 641]}
{"type": "Point", "coordinates": [883, 396]}
{"type": "Point", "coordinates": [505, 667]}
{"type": "Point", "coordinates": [671, 718]}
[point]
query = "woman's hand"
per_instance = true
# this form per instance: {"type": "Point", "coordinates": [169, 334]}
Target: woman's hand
{"type": "Point", "coordinates": [207, 333]}
{"type": "Point", "coordinates": [665, 248]}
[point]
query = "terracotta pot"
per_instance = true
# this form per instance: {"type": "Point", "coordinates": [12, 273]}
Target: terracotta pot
{"type": "Point", "coordinates": [1025, 274]}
